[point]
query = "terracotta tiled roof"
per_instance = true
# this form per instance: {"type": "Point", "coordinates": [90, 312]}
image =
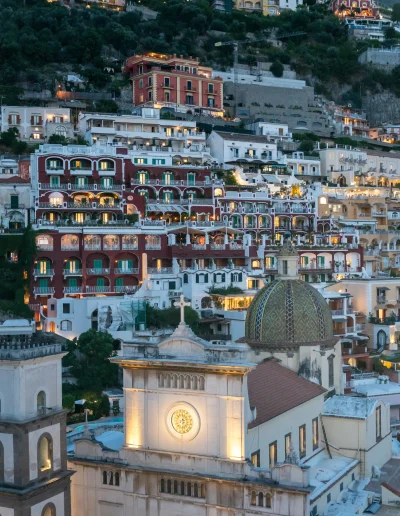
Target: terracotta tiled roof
{"type": "Point", "coordinates": [13, 179]}
{"type": "Point", "coordinates": [275, 389]}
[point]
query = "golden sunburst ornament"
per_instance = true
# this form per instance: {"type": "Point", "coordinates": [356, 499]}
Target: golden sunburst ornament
{"type": "Point", "coordinates": [182, 421]}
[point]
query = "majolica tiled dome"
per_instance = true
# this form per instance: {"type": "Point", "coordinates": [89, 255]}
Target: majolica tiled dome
{"type": "Point", "coordinates": [287, 314]}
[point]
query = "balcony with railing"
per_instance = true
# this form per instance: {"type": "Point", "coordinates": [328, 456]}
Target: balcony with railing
{"type": "Point", "coordinates": [44, 273]}
{"type": "Point", "coordinates": [43, 291]}
{"type": "Point", "coordinates": [160, 270]}
{"type": "Point", "coordinates": [391, 320]}
{"type": "Point", "coordinates": [80, 187]}
{"type": "Point", "coordinates": [72, 272]}
{"type": "Point", "coordinates": [381, 300]}
{"type": "Point", "coordinates": [126, 289]}
{"type": "Point", "coordinates": [96, 289]}
{"type": "Point", "coordinates": [73, 290]}
{"type": "Point", "coordinates": [126, 270]}
{"type": "Point", "coordinates": [97, 271]}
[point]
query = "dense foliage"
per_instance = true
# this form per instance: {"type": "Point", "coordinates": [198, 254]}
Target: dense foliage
{"type": "Point", "coordinates": [14, 275]}
{"type": "Point", "coordinates": [170, 318]}
{"type": "Point", "coordinates": [88, 358]}
{"type": "Point", "coordinates": [40, 41]}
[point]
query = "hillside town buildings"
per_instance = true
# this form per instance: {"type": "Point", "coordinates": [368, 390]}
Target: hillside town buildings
{"type": "Point", "coordinates": [176, 82]}
{"type": "Point", "coordinates": [290, 259]}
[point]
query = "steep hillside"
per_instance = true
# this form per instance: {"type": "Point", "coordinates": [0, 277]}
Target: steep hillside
{"type": "Point", "coordinates": [39, 41]}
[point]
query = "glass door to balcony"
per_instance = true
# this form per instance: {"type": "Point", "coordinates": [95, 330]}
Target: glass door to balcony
{"type": "Point", "coordinates": [98, 266]}
{"type": "Point", "coordinates": [43, 266]}
{"type": "Point", "coordinates": [124, 265]}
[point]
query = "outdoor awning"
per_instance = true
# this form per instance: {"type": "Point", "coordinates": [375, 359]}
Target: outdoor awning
{"type": "Point", "coordinates": [223, 230]}
{"type": "Point", "coordinates": [270, 178]}
{"type": "Point", "coordinates": [383, 288]}
{"type": "Point", "coordinates": [185, 230]}
{"type": "Point", "coordinates": [340, 318]}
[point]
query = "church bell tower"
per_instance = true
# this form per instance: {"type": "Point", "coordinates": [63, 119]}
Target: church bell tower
{"type": "Point", "coordinates": [34, 480]}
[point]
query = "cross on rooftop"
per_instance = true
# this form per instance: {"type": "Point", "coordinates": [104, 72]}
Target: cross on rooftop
{"type": "Point", "coordinates": [182, 305]}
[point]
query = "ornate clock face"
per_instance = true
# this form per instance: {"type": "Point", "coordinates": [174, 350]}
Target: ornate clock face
{"type": "Point", "coordinates": [182, 421]}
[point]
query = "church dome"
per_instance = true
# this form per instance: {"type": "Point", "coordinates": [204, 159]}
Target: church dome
{"type": "Point", "coordinates": [286, 314]}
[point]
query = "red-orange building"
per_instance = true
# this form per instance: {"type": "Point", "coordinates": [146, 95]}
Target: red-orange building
{"type": "Point", "coordinates": [170, 81]}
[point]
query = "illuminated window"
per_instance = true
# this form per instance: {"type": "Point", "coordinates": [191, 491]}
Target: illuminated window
{"type": "Point", "coordinates": [378, 417]}
{"type": "Point", "coordinates": [323, 200]}
{"type": "Point", "coordinates": [302, 441]}
{"type": "Point", "coordinates": [255, 459]}
{"type": "Point", "coordinates": [273, 454]}
{"type": "Point", "coordinates": [288, 445]}
{"type": "Point", "coordinates": [45, 453]}
{"type": "Point", "coordinates": [315, 433]}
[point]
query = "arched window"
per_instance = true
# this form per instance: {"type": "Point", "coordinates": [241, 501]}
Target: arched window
{"type": "Point", "coordinates": [45, 453]}
{"type": "Point", "coordinates": [117, 476]}
{"type": "Point", "coordinates": [162, 485]}
{"type": "Point", "coordinates": [66, 325]}
{"type": "Point", "coordinates": [189, 489]}
{"type": "Point", "coordinates": [153, 242]}
{"type": "Point", "coordinates": [253, 498]}
{"type": "Point", "coordinates": [129, 242]}
{"type": "Point", "coordinates": [268, 501]}
{"type": "Point", "coordinates": [195, 490]}
{"type": "Point", "coordinates": [104, 477]}
{"type": "Point", "coordinates": [41, 402]}
{"type": "Point", "coordinates": [49, 510]}
{"type": "Point", "coordinates": [169, 486]}
{"type": "Point", "coordinates": [175, 487]}
{"type": "Point", "coordinates": [111, 482]}
{"type": "Point", "coordinates": [260, 500]}
{"type": "Point", "coordinates": [44, 243]}
{"type": "Point", "coordinates": [182, 488]}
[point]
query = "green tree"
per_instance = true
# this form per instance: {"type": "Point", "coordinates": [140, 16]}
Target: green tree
{"type": "Point", "coordinates": [276, 69]}
{"type": "Point", "coordinates": [306, 146]}
{"type": "Point", "coordinates": [396, 12]}
{"type": "Point", "coordinates": [68, 401]}
{"type": "Point", "coordinates": [230, 179]}
{"type": "Point", "coordinates": [88, 357]}
{"type": "Point", "coordinates": [170, 317]}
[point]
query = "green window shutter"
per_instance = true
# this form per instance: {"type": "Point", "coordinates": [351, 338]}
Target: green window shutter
{"type": "Point", "coordinates": [14, 201]}
{"type": "Point", "coordinates": [223, 277]}
{"type": "Point", "coordinates": [171, 285]}
{"type": "Point", "coordinates": [206, 278]}
{"type": "Point", "coordinates": [43, 283]}
{"type": "Point", "coordinates": [240, 276]}
{"type": "Point", "coordinates": [72, 282]}
{"type": "Point", "coordinates": [305, 258]}
{"type": "Point", "coordinates": [119, 264]}
{"type": "Point", "coordinates": [99, 282]}
{"type": "Point", "coordinates": [129, 264]}
{"type": "Point", "coordinates": [54, 181]}
{"type": "Point", "coordinates": [186, 278]}
{"type": "Point", "coordinates": [306, 277]}
{"type": "Point", "coordinates": [323, 277]}
{"type": "Point", "coordinates": [273, 260]}
{"type": "Point", "coordinates": [197, 278]}
{"type": "Point", "coordinates": [98, 264]}
{"type": "Point", "coordinates": [119, 282]}
{"type": "Point", "coordinates": [321, 260]}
